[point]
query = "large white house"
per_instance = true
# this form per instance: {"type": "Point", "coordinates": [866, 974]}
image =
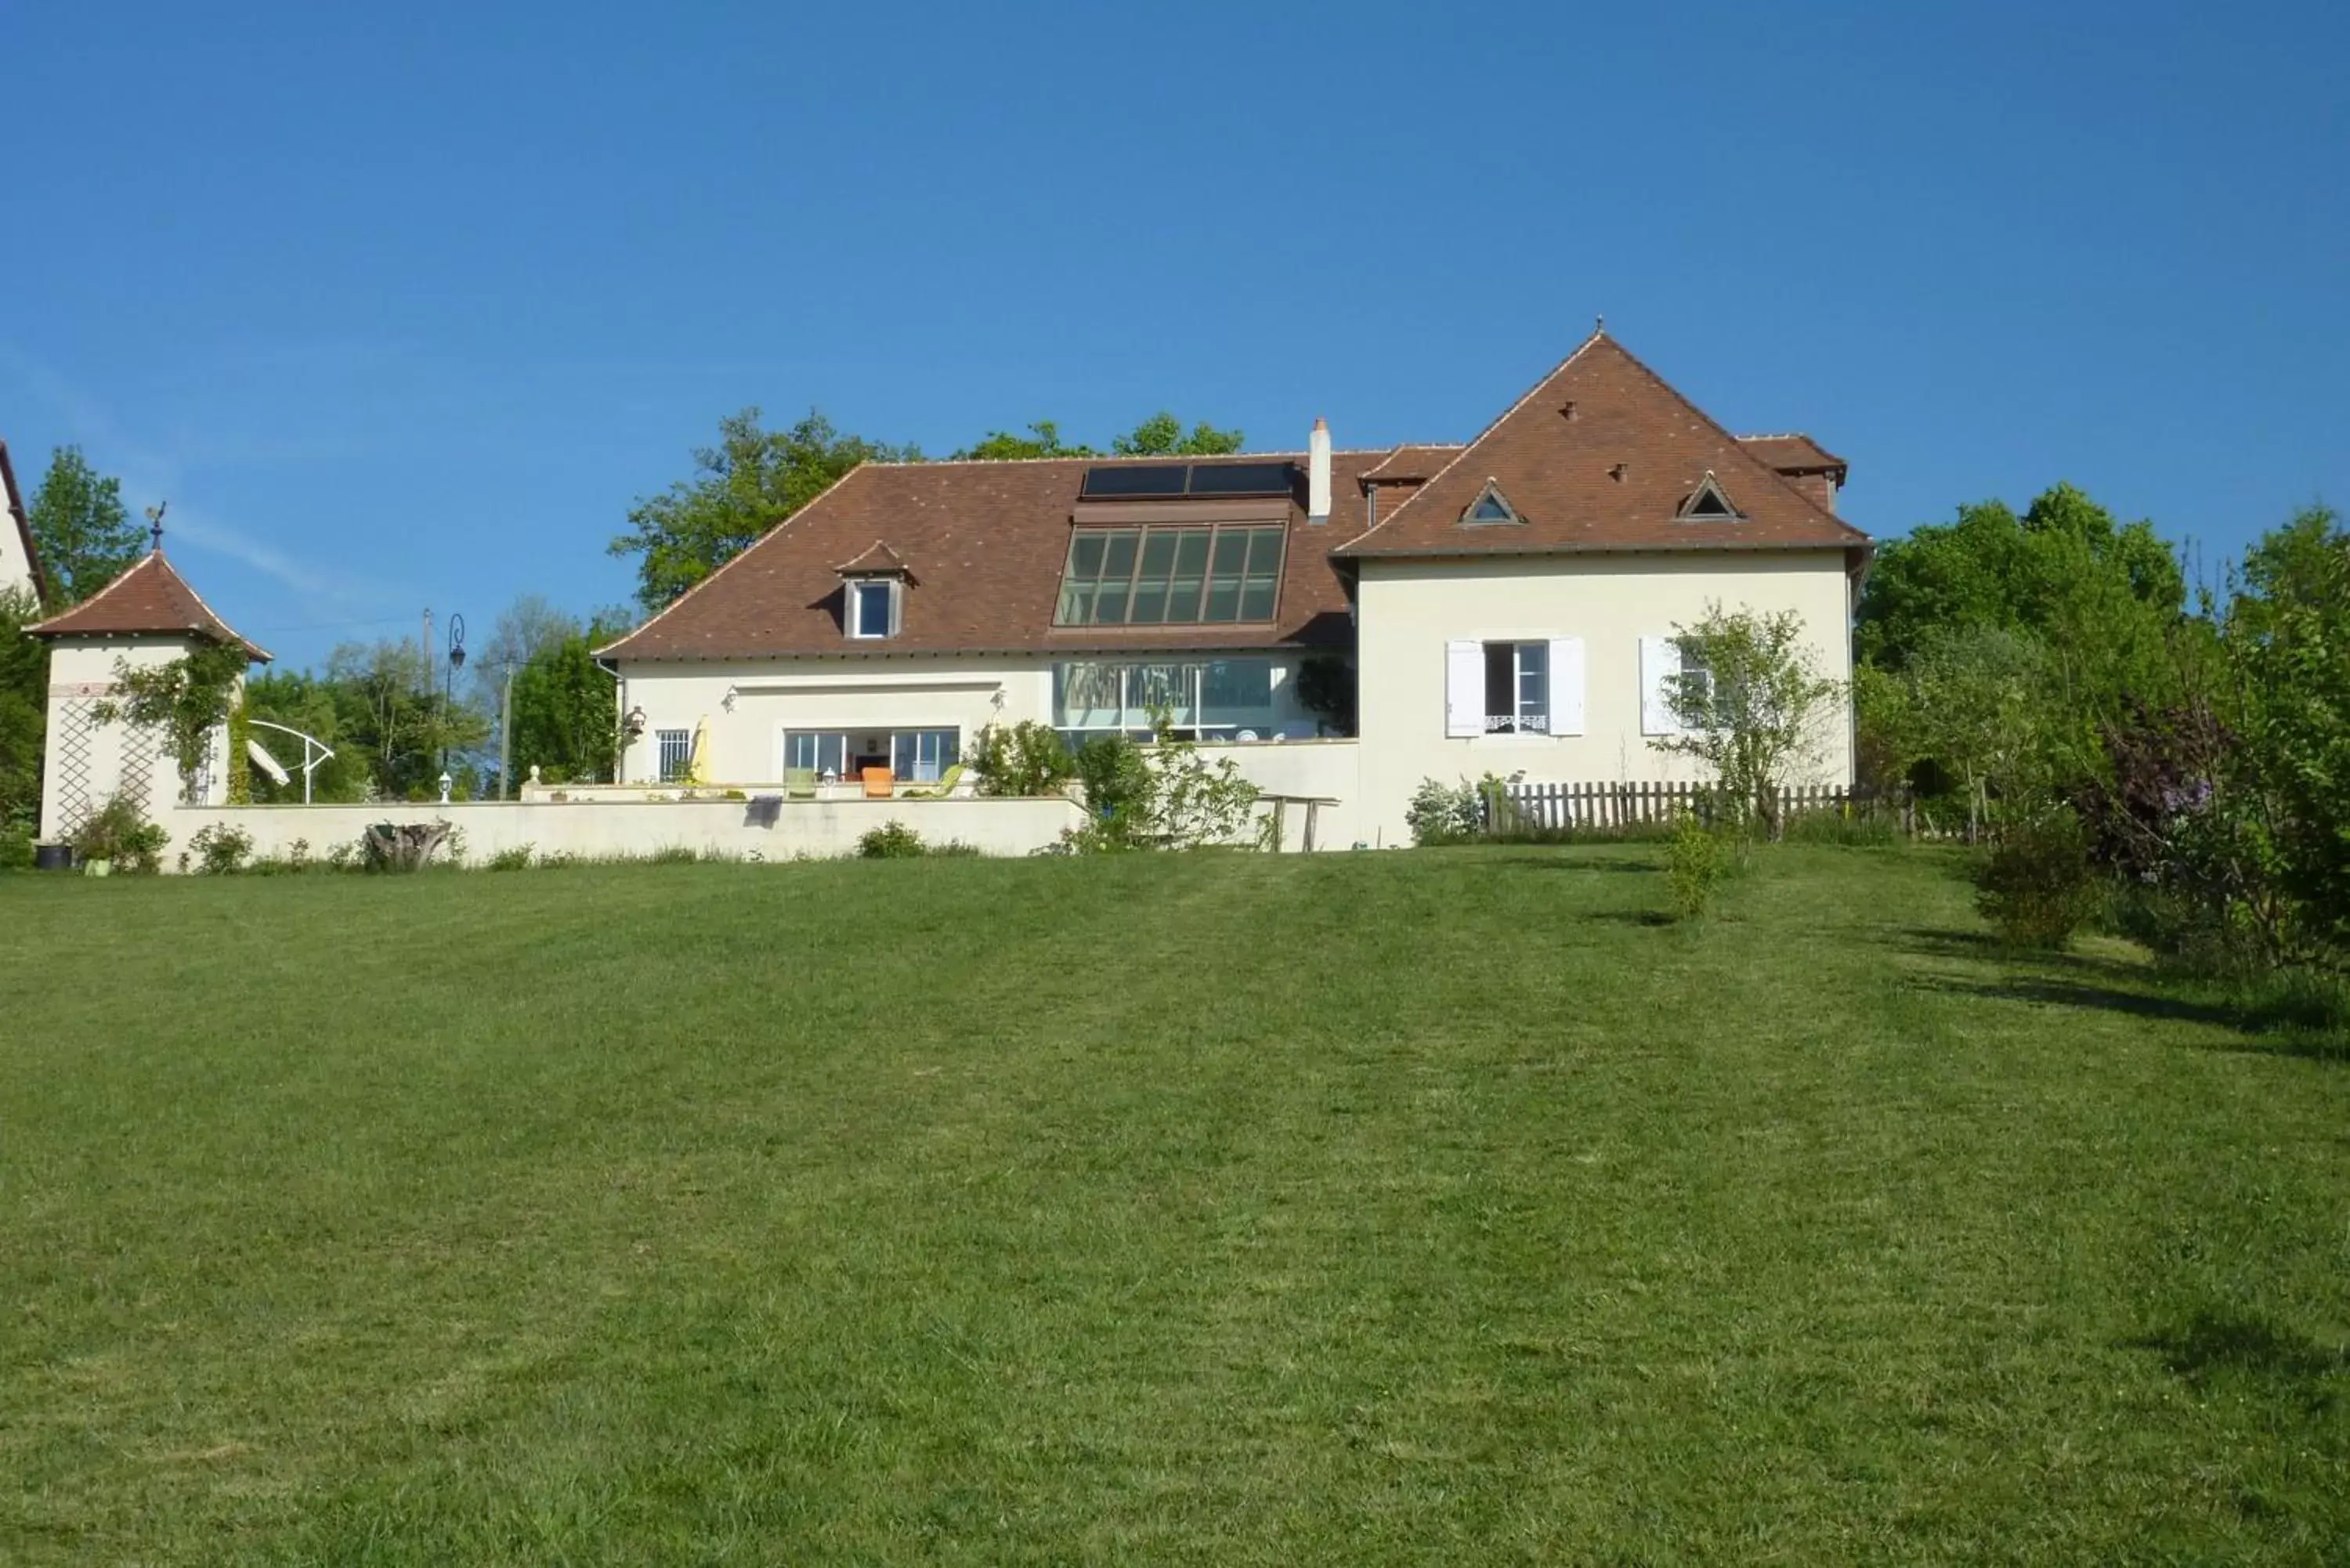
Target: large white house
{"type": "Point", "coordinates": [1507, 606]}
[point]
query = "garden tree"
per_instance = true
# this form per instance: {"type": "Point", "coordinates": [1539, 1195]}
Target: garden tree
{"type": "Point", "coordinates": [1162, 435]}
{"type": "Point", "coordinates": [82, 531]}
{"type": "Point", "coordinates": [389, 709]}
{"type": "Point", "coordinates": [1972, 700]}
{"type": "Point", "coordinates": [24, 711]}
{"type": "Point", "coordinates": [306, 702]}
{"type": "Point", "coordinates": [2288, 640]}
{"type": "Point", "coordinates": [2065, 568]}
{"type": "Point", "coordinates": [186, 700]}
{"type": "Point", "coordinates": [1042, 439]}
{"type": "Point", "coordinates": [1749, 703]}
{"type": "Point", "coordinates": [522, 630]}
{"type": "Point", "coordinates": [751, 480]}
{"type": "Point", "coordinates": [563, 721]}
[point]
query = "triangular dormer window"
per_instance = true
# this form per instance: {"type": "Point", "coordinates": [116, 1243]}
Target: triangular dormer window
{"type": "Point", "coordinates": [1489, 507]}
{"type": "Point", "coordinates": [1708, 503]}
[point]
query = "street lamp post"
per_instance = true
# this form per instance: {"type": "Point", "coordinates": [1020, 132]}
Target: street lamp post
{"type": "Point", "coordinates": [449, 683]}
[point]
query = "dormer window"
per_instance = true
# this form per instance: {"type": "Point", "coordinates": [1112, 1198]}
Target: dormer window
{"type": "Point", "coordinates": [873, 594]}
{"type": "Point", "coordinates": [1706, 503]}
{"type": "Point", "coordinates": [1491, 508]}
{"type": "Point", "coordinates": [872, 607]}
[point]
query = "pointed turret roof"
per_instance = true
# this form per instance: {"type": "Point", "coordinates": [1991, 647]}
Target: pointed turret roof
{"type": "Point", "coordinates": [150, 599]}
{"type": "Point", "coordinates": [1602, 455]}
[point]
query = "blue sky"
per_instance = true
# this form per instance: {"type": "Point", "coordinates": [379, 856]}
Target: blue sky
{"type": "Point", "coordinates": [404, 305]}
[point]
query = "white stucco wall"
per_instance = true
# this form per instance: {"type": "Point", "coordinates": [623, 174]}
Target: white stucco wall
{"type": "Point", "coordinates": [750, 705]}
{"type": "Point", "coordinates": [1408, 610]}
{"type": "Point", "coordinates": [1326, 769]}
{"type": "Point", "coordinates": [85, 764]}
{"type": "Point", "coordinates": [15, 566]}
{"type": "Point", "coordinates": [821, 828]}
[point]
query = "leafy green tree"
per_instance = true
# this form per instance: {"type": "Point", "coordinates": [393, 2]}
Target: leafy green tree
{"type": "Point", "coordinates": [24, 709]}
{"type": "Point", "coordinates": [306, 702]}
{"type": "Point", "coordinates": [1749, 703]}
{"type": "Point", "coordinates": [1162, 435]}
{"type": "Point", "coordinates": [80, 527]}
{"type": "Point", "coordinates": [751, 480]}
{"type": "Point", "coordinates": [1042, 439]}
{"type": "Point", "coordinates": [389, 709]}
{"type": "Point", "coordinates": [563, 721]}
{"type": "Point", "coordinates": [1973, 700]}
{"type": "Point", "coordinates": [2289, 634]}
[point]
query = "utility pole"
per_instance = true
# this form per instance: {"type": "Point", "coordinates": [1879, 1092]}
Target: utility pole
{"type": "Point", "coordinates": [505, 738]}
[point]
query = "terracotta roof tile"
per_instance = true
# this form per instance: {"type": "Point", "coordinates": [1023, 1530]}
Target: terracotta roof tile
{"type": "Point", "coordinates": [150, 599]}
{"type": "Point", "coordinates": [989, 540]}
{"type": "Point", "coordinates": [878, 560]}
{"type": "Point", "coordinates": [1795, 453]}
{"type": "Point", "coordinates": [1412, 462]}
{"type": "Point", "coordinates": [1610, 475]}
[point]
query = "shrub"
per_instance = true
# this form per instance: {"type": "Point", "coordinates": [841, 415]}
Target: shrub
{"type": "Point", "coordinates": [1696, 860]}
{"type": "Point", "coordinates": [1026, 759]}
{"type": "Point", "coordinates": [518, 858]}
{"type": "Point", "coordinates": [219, 850]}
{"type": "Point", "coordinates": [1445, 814]}
{"type": "Point", "coordinates": [118, 832]}
{"type": "Point", "coordinates": [893, 840]}
{"type": "Point", "coordinates": [1117, 784]}
{"type": "Point", "coordinates": [2036, 888]}
{"type": "Point", "coordinates": [15, 846]}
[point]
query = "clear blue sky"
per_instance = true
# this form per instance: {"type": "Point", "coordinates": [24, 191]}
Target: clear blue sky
{"type": "Point", "coordinates": [402, 305]}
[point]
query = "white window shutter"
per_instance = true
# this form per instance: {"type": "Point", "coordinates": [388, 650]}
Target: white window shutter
{"type": "Point", "coordinates": [1660, 665]}
{"type": "Point", "coordinates": [1566, 685]}
{"type": "Point", "coordinates": [1464, 689]}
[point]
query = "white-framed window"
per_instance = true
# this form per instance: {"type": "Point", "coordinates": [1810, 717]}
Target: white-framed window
{"type": "Point", "coordinates": [1515, 686]}
{"type": "Point", "coordinates": [675, 749]}
{"type": "Point", "coordinates": [1204, 700]}
{"type": "Point", "coordinates": [824, 753]}
{"type": "Point", "coordinates": [1670, 667]}
{"type": "Point", "coordinates": [924, 755]}
{"type": "Point", "coordinates": [872, 607]}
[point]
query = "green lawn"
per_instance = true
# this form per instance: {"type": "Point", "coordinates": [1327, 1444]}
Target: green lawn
{"type": "Point", "coordinates": [1436, 1206]}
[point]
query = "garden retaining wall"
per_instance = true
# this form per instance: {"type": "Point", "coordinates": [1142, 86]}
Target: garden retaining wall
{"type": "Point", "coordinates": [741, 829]}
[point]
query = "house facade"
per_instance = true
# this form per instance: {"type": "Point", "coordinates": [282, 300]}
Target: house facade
{"type": "Point", "coordinates": [1507, 605]}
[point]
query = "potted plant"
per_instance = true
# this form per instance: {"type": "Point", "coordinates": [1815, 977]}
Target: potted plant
{"type": "Point", "coordinates": [117, 834]}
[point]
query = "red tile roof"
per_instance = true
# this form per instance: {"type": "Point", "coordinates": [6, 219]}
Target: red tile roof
{"type": "Point", "coordinates": [150, 599]}
{"type": "Point", "coordinates": [1795, 453]}
{"type": "Point", "coordinates": [986, 541]}
{"type": "Point", "coordinates": [13, 501]}
{"type": "Point", "coordinates": [1601, 455]}
{"type": "Point", "coordinates": [878, 560]}
{"type": "Point", "coordinates": [1412, 462]}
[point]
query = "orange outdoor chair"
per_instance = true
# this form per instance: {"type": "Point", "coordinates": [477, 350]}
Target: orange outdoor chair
{"type": "Point", "coordinates": [878, 783]}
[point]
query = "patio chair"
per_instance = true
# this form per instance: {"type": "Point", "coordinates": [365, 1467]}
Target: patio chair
{"type": "Point", "coordinates": [880, 783]}
{"type": "Point", "coordinates": [943, 788]}
{"type": "Point", "coordinates": [799, 783]}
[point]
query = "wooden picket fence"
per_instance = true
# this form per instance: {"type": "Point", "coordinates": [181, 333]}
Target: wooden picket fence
{"type": "Point", "coordinates": [1604, 807]}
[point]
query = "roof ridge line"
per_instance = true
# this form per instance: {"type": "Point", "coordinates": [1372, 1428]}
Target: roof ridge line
{"type": "Point", "coordinates": [1129, 457]}
{"type": "Point", "coordinates": [1724, 431]}
{"type": "Point", "coordinates": [201, 604]}
{"type": "Point", "coordinates": [1541, 381]}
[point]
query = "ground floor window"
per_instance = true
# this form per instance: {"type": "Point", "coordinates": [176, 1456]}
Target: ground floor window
{"type": "Point", "coordinates": [822, 752]}
{"type": "Point", "coordinates": [1214, 699]}
{"type": "Point", "coordinates": [676, 753]}
{"type": "Point", "coordinates": [923, 755]}
{"type": "Point", "coordinates": [1517, 688]}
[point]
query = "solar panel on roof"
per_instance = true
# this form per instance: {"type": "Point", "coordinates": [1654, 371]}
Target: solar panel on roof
{"type": "Point", "coordinates": [1128, 481]}
{"type": "Point", "coordinates": [1243, 478]}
